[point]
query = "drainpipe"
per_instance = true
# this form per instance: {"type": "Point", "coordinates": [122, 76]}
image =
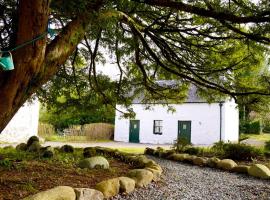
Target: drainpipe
{"type": "Point", "coordinates": [220, 120]}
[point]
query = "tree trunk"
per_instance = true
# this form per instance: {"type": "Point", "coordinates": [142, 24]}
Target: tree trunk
{"type": "Point", "coordinates": [36, 63]}
{"type": "Point", "coordinates": [33, 17]}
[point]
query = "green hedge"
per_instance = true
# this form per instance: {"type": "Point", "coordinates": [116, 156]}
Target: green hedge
{"type": "Point", "coordinates": [250, 127]}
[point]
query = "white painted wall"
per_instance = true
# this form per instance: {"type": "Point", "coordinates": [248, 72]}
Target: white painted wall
{"type": "Point", "coordinates": [231, 122]}
{"type": "Point", "coordinates": [23, 125]}
{"type": "Point", "coordinates": [205, 125]}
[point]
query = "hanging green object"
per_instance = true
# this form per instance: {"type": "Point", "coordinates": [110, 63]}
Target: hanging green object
{"type": "Point", "coordinates": [6, 62]}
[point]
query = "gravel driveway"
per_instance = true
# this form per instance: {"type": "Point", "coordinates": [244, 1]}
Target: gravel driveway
{"type": "Point", "coordinates": [183, 181]}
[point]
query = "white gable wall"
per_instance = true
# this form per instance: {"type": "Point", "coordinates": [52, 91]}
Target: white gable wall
{"type": "Point", "coordinates": [230, 121]}
{"type": "Point", "coordinates": [23, 125]}
{"type": "Point", "coordinates": [205, 124]}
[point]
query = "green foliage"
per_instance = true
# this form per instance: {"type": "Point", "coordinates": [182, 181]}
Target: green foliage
{"type": "Point", "coordinates": [180, 145]}
{"type": "Point", "coordinates": [6, 163]}
{"type": "Point", "coordinates": [250, 127]}
{"type": "Point", "coordinates": [192, 150]}
{"type": "Point", "coordinates": [237, 151]}
{"type": "Point", "coordinates": [243, 137]}
{"type": "Point", "coordinates": [65, 106]}
{"type": "Point", "coordinates": [267, 146]}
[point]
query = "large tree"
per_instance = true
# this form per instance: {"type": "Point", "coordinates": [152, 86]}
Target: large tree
{"type": "Point", "coordinates": [150, 40]}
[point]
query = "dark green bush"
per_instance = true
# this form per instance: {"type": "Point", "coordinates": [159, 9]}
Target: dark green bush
{"type": "Point", "coordinates": [236, 151]}
{"type": "Point", "coordinates": [179, 145]}
{"type": "Point", "coordinates": [241, 152]}
{"type": "Point", "coordinates": [192, 150]}
{"type": "Point", "coordinates": [251, 127]}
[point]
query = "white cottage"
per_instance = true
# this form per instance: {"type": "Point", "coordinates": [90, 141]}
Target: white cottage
{"type": "Point", "coordinates": [196, 120]}
{"type": "Point", "coordinates": [23, 125]}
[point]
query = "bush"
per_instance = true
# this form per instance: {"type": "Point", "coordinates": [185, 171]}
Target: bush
{"type": "Point", "coordinates": [180, 145]}
{"type": "Point", "coordinates": [241, 152]}
{"type": "Point", "coordinates": [192, 150]}
{"type": "Point", "coordinates": [251, 127]}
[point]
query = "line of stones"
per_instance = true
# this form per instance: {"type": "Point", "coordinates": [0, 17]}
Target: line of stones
{"type": "Point", "coordinates": [255, 170]}
{"type": "Point", "coordinates": [146, 171]}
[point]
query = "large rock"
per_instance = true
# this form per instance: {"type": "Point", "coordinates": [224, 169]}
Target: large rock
{"type": "Point", "coordinates": [34, 147]}
{"type": "Point", "coordinates": [155, 167]}
{"type": "Point", "coordinates": [189, 158]}
{"type": "Point", "coordinates": [199, 161]}
{"type": "Point", "coordinates": [178, 157]}
{"type": "Point", "coordinates": [142, 161]}
{"type": "Point", "coordinates": [149, 151]}
{"type": "Point", "coordinates": [67, 148]}
{"type": "Point", "coordinates": [94, 162]}
{"type": "Point", "coordinates": [21, 147]}
{"type": "Point", "coordinates": [260, 171]}
{"type": "Point", "coordinates": [212, 162]}
{"type": "Point", "coordinates": [89, 152]}
{"type": "Point", "coordinates": [31, 140]}
{"type": "Point", "coordinates": [127, 185]}
{"type": "Point", "coordinates": [156, 173]}
{"type": "Point", "coordinates": [109, 188]}
{"type": "Point", "coordinates": [142, 177]}
{"type": "Point", "coordinates": [241, 169]}
{"type": "Point", "coordinates": [88, 194]}
{"type": "Point", "coordinates": [226, 164]}
{"type": "Point", "coordinates": [57, 193]}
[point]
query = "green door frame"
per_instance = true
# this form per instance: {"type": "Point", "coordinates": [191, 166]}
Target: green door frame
{"type": "Point", "coordinates": [184, 130]}
{"type": "Point", "coordinates": [134, 131]}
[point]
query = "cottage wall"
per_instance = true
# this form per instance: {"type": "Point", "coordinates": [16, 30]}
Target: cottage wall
{"type": "Point", "coordinates": [23, 125]}
{"type": "Point", "coordinates": [205, 123]}
{"type": "Point", "coordinates": [231, 122]}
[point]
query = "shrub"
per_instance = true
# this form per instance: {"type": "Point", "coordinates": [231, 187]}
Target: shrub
{"type": "Point", "coordinates": [251, 127]}
{"type": "Point", "coordinates": [241, 152]}
{"type": "Point", "coordinates": [192, 150]}
{"type": "Point", "coordinates": [218, 148]}
{"type": "Point", "coordinates": [67, 148]}
{"type": "Point", "coordinates": [180, 145]}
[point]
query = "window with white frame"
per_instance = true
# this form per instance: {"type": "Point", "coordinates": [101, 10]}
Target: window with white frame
{"type": "Point", "coordinates": [158, 127]}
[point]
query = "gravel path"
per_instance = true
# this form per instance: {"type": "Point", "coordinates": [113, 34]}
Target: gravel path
{"type": "Point", "coordinates": [183, 181]}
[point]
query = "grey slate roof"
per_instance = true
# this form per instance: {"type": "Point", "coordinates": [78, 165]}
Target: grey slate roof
{"type": "Point", "coordinates": [192, 96]}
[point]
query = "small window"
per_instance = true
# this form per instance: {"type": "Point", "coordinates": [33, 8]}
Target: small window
{"type": "Point", "coordinates": [158, 127]}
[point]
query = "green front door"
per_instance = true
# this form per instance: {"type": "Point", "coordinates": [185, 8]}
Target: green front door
{"type": "Point", "coordinates": [134, 130]}
{"type": "Point", "coordinates": [184, 130]}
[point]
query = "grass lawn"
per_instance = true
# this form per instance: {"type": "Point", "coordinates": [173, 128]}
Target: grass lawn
{"type": "Point", "coordinates": [260, 137]}
{"type": "Point", "coordinates": [136, 150]}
